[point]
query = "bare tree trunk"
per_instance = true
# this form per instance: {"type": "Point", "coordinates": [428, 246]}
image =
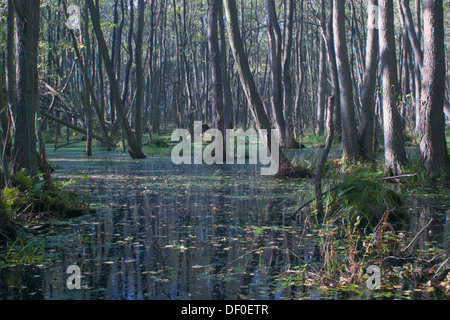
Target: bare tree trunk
{"type": "Point", "coordinates": [135, 151]}
{"type": "Point", "coordinates": [319, 170]}
{"type": "Point", "coordinates": [27, 28]}
{"type": "Point", "coordinates": [126, 80]}
{"type": "Point", "coordinates": [116, 50]}
{"type": "Point", "coordinates": [298, 96]}
{"type": "Point", "coordinates": [228, 98]}
{"type": "Point", "coordinates": [348, 121]}
{"type": "Point", "coordinates": [10, 62]}
{"type": "Point", "coordinates": [254, 100]}
{"type": "Point", "coordinates": [333, 69]}
{"type": "Point", "coordinates": [321, 90]}
{"type": "Point", "coordinates": [87, 95]}
{"type": "Point", "coordinates": [414, 37]}
{"type": "Point", "coordinates": [139, 74]}
{"type": "Point", "coordinates": [366, 129]}
{"type": "Point", "coordinates": [432, 130]}
{"type": "Point", "coordinates": [275, 54]}
{"type": "Point", "coordinates": [216, 64]}
{"type": "Point", "coordinates": [394, 153]}
{"type": "Point", "coordinates": [287, 78]}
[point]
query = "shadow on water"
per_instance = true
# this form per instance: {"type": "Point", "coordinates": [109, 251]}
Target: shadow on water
{"type": "Point", "coordinates": [163, 232]}
{"type": "Point", "coordinates": [172, 232]}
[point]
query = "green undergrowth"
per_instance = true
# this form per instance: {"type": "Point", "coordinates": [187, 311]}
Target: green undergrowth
{"type": "Point", "coordinates": [30, 199]}
{"type": "Point", "coordinates": [366, 223]}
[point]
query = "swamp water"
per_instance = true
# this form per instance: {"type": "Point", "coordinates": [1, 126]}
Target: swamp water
{"type": "Point", "coordinates": [176, 232]}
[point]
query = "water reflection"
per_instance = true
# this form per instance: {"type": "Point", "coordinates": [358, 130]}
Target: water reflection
{"type": "Point", "coordinates": [182, 232]}
{"type": "Point", "coordinates": [167, 232]}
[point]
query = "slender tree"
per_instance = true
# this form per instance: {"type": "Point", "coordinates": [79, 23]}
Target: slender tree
{"type": "Point", "coordinates": [287, 77]}
{"type": "Point", "coordinates": [275, 54]}
{"type": "Point", "coordinates": [135, 150]}
{"type": "Point", "coordinates": [217, 99]}
{"type": "Point", "coordinates": [139, 74]}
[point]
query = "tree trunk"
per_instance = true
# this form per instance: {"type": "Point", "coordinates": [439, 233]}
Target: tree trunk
{"type": "Point", "coordinates": [287, 78]}
{"type": "Point", "coordinates": [139, 74]}
{"type": "Point", "coordinates": [394, 153]}
{"type": "Point", "coordinates": [275, 54]}
{"type": "Point", "coordinates": [348, 121]}
{"type": "Point", "coordinates": [366, 129]}
{"type": "Point", "coordinates": [27, 28]}
{"type": "Point", "coordinates": [333, 70]}
{"type": "Point", "coordinates": [432, 129]}
{"type": "Point", "coordinates": [228, 98]}
{"type": "Point", "coordinates": [88, 107]}
{"type": "Point", "coordinates": [10, 62]}
{"type": "Point", "coordinates": [319, 170]}
{"type": "Point", "coordinates": [136, 151]}
{"type": "Point", "coordinates": [216, 64]}
{"type": "Point", "coordinates": [254, 100]}
{"type": "Point", "coordinates": [321, 90]}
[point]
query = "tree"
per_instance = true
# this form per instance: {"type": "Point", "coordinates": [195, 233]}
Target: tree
{"type": "Point", "coordinates": [322, 78]}
{"type": "Point", "coordinates": [135, 149]}
{"type": "Point", "coordinates": [333, 68]}
{"type": "Point", "coordinates": [27, 37]}
{"type": "Point", "coordinates": [287, 77]}
{"type": "Point", "coordinates": [248, 83]}
{"type": "Point", "coordinates": [139, 74]}
{"type": "Point", "coordinates": [275, 54]}
{"type": "Point", "coordinates": [432, 128]}
{"type": "Point", "coordinates": [217, 98]}
{"type": "Point", "coordinates": [348, 120]}
{"type": "Point", "coordinates": [245, 75]}
{"type": "Point", "coordinates": [394, 152]}
{"type": "Point", "coordinates": [366, 129]}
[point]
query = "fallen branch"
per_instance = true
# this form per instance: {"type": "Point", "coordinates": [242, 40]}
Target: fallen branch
{"type": "Point", "coordinates": [399, 177]}
{"type": "Point", "coordinates": [66, 144]}
{"type": "Point", "coordinates": [417, 235]}
{"type": "Point", "coordinates": [70, 126]}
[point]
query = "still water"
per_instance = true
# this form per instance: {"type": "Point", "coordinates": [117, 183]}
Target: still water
{"type": "Point", "coordinates": [163, 231]}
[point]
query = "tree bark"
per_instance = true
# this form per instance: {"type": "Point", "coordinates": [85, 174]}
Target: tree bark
{"type": "Point", "coordinates": [394, 153]}
{"type": "Point", "coordinates": [348, 121]}
{"type": "Point", "coordinates": [248, 84]}
{"type": "Point", "coordinates": [216, 64]}
{"type": "Point", "coordinates": [366, 129]}
{"type": "Point", "coordinates": [139, 74]}
{"type": "Point", "coordinates": [275, 54]}
{"type": "Point", "coordinates": [321, 89]}
{"type": "Point", "coordinates": [287, 78]}
{"type": "Point", "coordinates": [333, 69]}
{"type": "Point", "coordinates": [87, 96]}
{"type": "Point", "coordinates": [432, 130]}
{"type": "Point", "coordinates": [10, 62]}
{"type": "Point", "coordinates": [27, 28]}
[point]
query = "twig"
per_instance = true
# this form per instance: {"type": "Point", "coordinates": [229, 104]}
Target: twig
{"type": "Point", "coordinates": [311, 201]}
{"type": "Point", "coordinates": [443, 264]}
{"type": "Point", "coordinates": [414, 239]}
{"type": "Point", "coordinates": [400, 176]}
